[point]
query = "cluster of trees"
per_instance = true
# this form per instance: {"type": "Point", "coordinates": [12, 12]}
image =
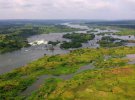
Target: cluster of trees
{"type": "Point", "coordinates": [109, 41]}
{"type": "Point", "coordinates": [15, 37]}
{"type": "Point", "coordinates": [11, 42]}
{"type": "Point", "coordinates": [28, 29]}
{"type": "Point", "coordinates": [104, 33]}
{"type": "Point", "coordinates": [56, 29]}
{"type": "Point", "coordinates": [73, 44]}
{"type": "Point", "coordinates": [79, 37]}
{"type": "Point", "coordinates": [54, 43]}
{"type": "Point", "coordinates": [76, 40]}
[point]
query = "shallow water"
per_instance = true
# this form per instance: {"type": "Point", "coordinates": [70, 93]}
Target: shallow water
{"type": "Point", "coordinates": [130, 44]}
{"type": "Point", "coordinates": [131, 58]}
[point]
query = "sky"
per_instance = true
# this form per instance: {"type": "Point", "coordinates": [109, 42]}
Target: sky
{"type": "Point", "coordinates": [67, 9]}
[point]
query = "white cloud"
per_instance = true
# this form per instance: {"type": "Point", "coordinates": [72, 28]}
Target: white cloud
{"type": "Point", "coordinates": [82, 9]}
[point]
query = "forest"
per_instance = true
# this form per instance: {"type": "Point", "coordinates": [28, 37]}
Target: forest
{"type": "Point", "coordinates": [10, 43]}
{"type": "Point", "coordinates": [15, 37]}
{"type": "Point", "coordinates": [108, 41]}
{"type": "Point", "coordinates": [76, 40]}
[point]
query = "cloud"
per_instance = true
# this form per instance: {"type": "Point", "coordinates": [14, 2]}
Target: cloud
{"type": "Point", "coordinates": [67, 9]}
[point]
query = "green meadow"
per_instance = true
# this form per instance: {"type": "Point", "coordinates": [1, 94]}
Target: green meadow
{"type": "Point", "coordinates": [112, 77]}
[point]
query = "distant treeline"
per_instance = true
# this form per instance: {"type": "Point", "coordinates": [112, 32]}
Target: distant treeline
{"type": "Point", "coordinates": [122, 24]}
{"type": "Point", "coordinates": [29, 30]}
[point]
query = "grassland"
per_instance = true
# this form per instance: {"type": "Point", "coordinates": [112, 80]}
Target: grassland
{"type": "Point", "coordinates": [105, 84]}
{"type": "Point", "coordinates": [112, 77]}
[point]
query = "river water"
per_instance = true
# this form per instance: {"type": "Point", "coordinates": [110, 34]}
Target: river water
{"type": "Point", "coordinates": [12, 60]}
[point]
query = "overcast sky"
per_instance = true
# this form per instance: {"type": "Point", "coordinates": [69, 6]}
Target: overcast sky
{"type": "Point", "coordinates": [67, 9]}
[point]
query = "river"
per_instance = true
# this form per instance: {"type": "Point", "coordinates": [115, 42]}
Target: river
{"type": "Point", "coordinates": [12, 60]}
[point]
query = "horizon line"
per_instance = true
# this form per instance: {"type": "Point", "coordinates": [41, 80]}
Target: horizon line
{"type": "Point", "coordinates": [74, 19]}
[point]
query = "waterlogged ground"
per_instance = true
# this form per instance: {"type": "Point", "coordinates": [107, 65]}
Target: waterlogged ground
{"type": "Point", "coordinates": [41, 79]}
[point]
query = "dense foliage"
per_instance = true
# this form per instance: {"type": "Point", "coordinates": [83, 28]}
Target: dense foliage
{"type": "Point", "coordinates": [72, 44]}
{"type": "Point", "coordinates": [53, 43]}
{"type": "Point", "coordinates": [79, 37]}
{"type": "Point", "coordinates": [11, 42]}
{"type": "Point", "coordinates": [15, 37]}
{"type": "Point", "coordinates": [56, 29]}
{"type": "Point", "coordinates": [76, 40]}
{"type": "Point", "coordinates": [29, 30]}
{"type": "Point", "coordinates": [108, 41]}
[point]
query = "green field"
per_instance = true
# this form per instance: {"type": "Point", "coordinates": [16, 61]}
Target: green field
{"type": "Point", "coordinates": [112, 78]}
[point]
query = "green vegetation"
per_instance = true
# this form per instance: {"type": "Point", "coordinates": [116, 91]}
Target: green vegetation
{"type": "Point", "coordinates": [48, 88]}
{"type": "Point", "coordinates": [76, 40]}
{"type": "Point", "coordinates": [112, 77]}
{"type": "Point", "coordinates": [73, 44]}
{"type": "Point", "coordinates": [79, 37]}
{"type": "Point", "coordinates": [107, 84]}
{"type": "Point", "coordinates": [15, 37]}
{"type": "Point", "coordinates": [108, 41]}
{"type": "Point", "coordinates": [126, 31]}
{"type": "Point", "coordinates": [105, 60]}
{"type": "Point", "coordinates": [56, 29]}
{"type": "Point", "coordinates": [54, 43]}
{"type": "Point", "coordinates": [11, 42]}
{"type": "Point", "coordinates": [29, 30]}
{"type": "Point", "coordinates": [104, 33]}
{"type": "Point", "coordinates": [123, 29]}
